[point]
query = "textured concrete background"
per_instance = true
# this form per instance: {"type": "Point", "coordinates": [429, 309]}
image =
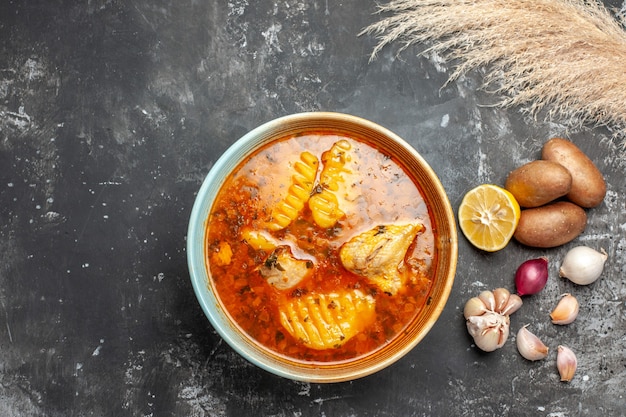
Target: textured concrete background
{"type": "Point", "coordinates": [112, 113]}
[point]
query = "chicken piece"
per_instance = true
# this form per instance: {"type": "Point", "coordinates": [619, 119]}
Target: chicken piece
{"type": "Point", "coordinates": [222, 255]}
{"type": "Point", "coordinates": [378, 254]}
{"type": "Point", "coordinates": [282, 270]}
{"type": "Point", "coordinates": [326, 321]}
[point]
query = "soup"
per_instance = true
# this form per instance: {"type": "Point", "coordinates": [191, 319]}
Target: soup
{"type": "Point", "coordinates": [320, 247]}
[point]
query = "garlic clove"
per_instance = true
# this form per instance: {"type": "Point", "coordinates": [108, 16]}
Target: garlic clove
{"type": "Point", "coordinates": [489, 299]}
{"type": "Point", "coordinates": [501, 296]}
{"type": "Point", "coordinates": [512, 305]}
{"type": "Point", "coordinates": [491, 339]}
{"type": "Point", "coordinates": [566, 310]}
{"type": "Point", "coordinates": [566, 363]}
{"type": "Point", "coordinates": [490, 331]}
{"type": "Point", "coordinates": [583, 265]}
{"type": "Point", "coordinates": [530, 346]}
{"type": "Point", "coordinates": [474, 307]}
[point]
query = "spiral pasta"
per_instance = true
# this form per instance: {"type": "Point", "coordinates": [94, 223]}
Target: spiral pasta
{"type": "Point", "coordinates": [325, 209]}
{"type": "Point", "coordinates": [334, 161]}
{"type": "Point", "coordinates": [325, 205]}
{"type": "Point", "coordinates": [302, 183]}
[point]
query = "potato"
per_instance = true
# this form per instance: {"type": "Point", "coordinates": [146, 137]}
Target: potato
{"type": "Point", "coordinates": [551, 225]}
{"type": "Point", "coordinates": [538, 182]}
{"type": "Point", "coordinates": [588, 185]}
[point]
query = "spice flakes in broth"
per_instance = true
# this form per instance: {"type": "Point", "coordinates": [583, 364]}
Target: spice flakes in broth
{"type": "Point", "coordinates": [274, 238]}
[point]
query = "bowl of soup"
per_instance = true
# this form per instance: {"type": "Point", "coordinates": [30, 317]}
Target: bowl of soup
{"type": "Point", "coordinates": [322, 247]}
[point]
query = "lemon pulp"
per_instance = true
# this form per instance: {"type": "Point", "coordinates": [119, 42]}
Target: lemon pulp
{"type": "Point", "coordinates": [488, 216]}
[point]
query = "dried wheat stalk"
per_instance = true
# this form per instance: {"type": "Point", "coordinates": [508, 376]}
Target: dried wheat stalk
{"type": "Point", "coordinates": [567, 57]}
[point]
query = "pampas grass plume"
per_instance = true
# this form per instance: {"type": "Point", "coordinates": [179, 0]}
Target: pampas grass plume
{"type": "Point", "coordinates": [565, 56]}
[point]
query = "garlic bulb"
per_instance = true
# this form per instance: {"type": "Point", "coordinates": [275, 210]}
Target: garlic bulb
{"type": "Point", "coordinates": [487, 317]}
{"type": "Point", "coordinates": [583, 265]}
{"type": "Point", "coordinates": [530, 346]}
{"type": "Point", "coordinates": [566, 310]}
{"type": "Point", "coordinates": [489, 331]}
{"type": "Point", "coordinates": [566, 363]}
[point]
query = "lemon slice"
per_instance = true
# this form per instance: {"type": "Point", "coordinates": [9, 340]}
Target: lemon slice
{"type": "Point", "coordinates": [488, 216]}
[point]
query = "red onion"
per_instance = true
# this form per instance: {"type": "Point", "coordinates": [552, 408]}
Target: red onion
{"type": "Point", "coordinates": [531, 276]}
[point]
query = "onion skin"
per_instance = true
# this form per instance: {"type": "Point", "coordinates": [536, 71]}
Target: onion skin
{"type": "Point", "coordinates": [531, 276]}
{"type": "Point", "coordinates": [583, 265]}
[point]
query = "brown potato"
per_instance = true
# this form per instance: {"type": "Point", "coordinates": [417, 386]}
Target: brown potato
{"type": "Point", "coordinates": [551, 225]}
{"type": "Point", "coordinates": [588, 185]}
{"type": "Point", "coordinates": [538, 182]}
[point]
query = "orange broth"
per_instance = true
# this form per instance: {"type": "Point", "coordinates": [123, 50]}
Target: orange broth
{"type": "Point", "coordinates": [376, 190]}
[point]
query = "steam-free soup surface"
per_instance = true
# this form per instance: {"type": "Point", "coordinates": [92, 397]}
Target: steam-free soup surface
{"type": "Point", "coordinates": [320, 247]}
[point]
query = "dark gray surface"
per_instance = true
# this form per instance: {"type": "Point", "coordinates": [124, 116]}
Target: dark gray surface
{"type": "Point", "coordinates": [112, 113]}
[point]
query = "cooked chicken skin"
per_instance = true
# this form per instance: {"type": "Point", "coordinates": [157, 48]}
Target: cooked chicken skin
{"type": "Point", "coordinates": [378, 254]}
{"type": "Point", "coordinates": [282, 270]}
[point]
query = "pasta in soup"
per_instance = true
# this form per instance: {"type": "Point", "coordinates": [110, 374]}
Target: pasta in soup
{"type": "Point", "coordinates": [320, 247]}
